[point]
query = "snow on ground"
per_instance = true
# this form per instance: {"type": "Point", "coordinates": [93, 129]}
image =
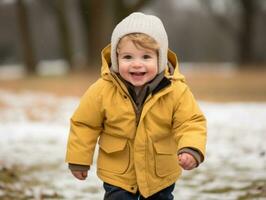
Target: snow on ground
{"type": "Point", "coordinates": [34, 130]}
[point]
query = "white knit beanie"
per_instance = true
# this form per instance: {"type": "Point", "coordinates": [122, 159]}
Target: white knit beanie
{"type": "Point", "coordinates": [141, 23]}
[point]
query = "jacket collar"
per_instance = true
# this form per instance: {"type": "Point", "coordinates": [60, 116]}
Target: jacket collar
{"type": "Point", "coordinates": [157, 83]}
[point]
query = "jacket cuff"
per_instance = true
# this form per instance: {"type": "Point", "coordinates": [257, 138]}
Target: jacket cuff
{"type": "Point", "coordinates": [196, 154]}
{"type": "Point", "coordinates": [77, 167]}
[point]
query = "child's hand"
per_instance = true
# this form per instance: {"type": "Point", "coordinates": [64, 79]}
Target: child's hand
{"type": "Point", "coordinates": [81, 175]}
{"type": "Point", "coordinates": [187, 161]}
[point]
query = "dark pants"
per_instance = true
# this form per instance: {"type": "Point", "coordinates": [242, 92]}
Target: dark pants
{"type": "Point", "coordinates": [116, 193]}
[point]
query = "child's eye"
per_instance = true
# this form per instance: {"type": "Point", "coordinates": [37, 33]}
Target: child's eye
{"type": "Point", "coordinates": [127, 57]}
{"type": "Point", "coordinates": [146, 56]}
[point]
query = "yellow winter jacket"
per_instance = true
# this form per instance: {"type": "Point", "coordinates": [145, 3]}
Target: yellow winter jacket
{"type": "Point", "coordinates": [136, 156]}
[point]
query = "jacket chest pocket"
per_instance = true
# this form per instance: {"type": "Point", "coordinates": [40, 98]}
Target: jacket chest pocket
{"type": "Point", "coordinates": [113, 154]}
{"type": "Point", "coordinates": [166, 161]}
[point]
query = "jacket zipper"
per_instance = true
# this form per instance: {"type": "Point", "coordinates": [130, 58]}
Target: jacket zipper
{"type": "Point", "coordinates": [136, 110]}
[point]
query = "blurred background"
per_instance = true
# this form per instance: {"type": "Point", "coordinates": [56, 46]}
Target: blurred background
{"type": "Point", "coordinates": [65, 37]}
{"type": "Point", "coordinates": [50, 54]}
{"type": "Point", "coordinates": [76, 31]}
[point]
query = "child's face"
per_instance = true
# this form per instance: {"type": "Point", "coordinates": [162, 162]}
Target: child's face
{"type": "Point", "coordinates": [135, 64]}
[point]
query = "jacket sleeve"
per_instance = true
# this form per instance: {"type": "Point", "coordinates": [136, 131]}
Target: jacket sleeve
{"type": "Point", "coordinates": [189, 124]}
{"type": "Point", "coordinates": [76, 167]}
{"type": "Point", "coordinates": [85, 127]}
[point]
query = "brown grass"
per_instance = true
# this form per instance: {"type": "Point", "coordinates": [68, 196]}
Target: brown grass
{"type": "Point", "coordinates": [245, 85]}
{"type": "Point", "coordinates": [208, 85]}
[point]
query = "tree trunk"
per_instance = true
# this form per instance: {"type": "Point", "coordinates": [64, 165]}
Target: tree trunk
{"type": "Point", "coordinates": [123, 8]}
{"type": "Point", "coordinates": [64, 32]}
{"type": "Point", "coordinates": [93, 13]}
{"type": "Point", "coordinates": [242, 36]}
{"type": "Point", "coordinates": [246, 32]}
{"type": "Point", "coordinates": [27, 45]}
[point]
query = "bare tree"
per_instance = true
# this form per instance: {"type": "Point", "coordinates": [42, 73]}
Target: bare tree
{"type": "Point", "coordinates": [58, 7]}
{"type": "Point", "coordinates": [27, 44]}
{"type": "Point", "coordinates": [66, 42]}
{"type": "Point", "coordinates": [93, 16]}
{"type": "Point", "coordinates": [123, 8]}
{"type": "Point", "coordinates": [246, 32]}
{"type": "Point", "coordinates": [243, 34]}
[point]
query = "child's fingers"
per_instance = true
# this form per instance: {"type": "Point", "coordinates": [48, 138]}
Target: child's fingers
{"type": "Point", "coordinates": [84, 174]}
{"type": "Point", "coordinates": [79, 175]}
{"type": "Point", "coordinates": [183, 160]}
{"type": "Point", "coordinates": [187, 161]}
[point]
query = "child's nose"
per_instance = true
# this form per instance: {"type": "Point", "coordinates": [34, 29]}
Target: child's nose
{"type": "Point", "coordinates": [137, 63]}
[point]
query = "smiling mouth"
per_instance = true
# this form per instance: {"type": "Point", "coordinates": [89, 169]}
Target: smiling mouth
{"type": "Point", "coordinates": [138, 73]}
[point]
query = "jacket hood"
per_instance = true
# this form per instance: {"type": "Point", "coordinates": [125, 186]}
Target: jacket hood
{"type": "Point", "coordinates": [171, 72]}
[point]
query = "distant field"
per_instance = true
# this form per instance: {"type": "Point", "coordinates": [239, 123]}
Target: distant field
{"type": "Point", "coordinates": [207, 85]}
{"type": "Point", "coordinates": [221, 85]}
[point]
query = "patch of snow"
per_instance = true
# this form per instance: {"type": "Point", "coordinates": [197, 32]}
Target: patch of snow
{"type": "Point", "coordinates": [52, 67]}
{"type": "Point", "coordinates": [9, 72]}
{"type": "Point", "coordinates": [226, 69]}
{"type": "Point", "coordinates": [187, 4]}
{"type": "Point", "coordinates": [43, 68]}
{"type": "Point", "coordinates": [34, 130]}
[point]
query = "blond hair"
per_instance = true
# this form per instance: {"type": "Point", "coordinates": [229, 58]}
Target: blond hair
{"type": "Point", "coordinates": [141, 40]}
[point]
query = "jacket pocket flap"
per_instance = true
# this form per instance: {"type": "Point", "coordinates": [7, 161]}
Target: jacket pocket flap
{"type": "Point", "coordinates": [111, 144]}
{"type": "Point", "coordinates": [165, 146]}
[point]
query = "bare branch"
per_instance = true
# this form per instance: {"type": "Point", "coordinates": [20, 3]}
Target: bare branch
{"type": "Point", "coordinates": [220, 20]}
{"type": "Point", "coordinates": [140, 4]}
